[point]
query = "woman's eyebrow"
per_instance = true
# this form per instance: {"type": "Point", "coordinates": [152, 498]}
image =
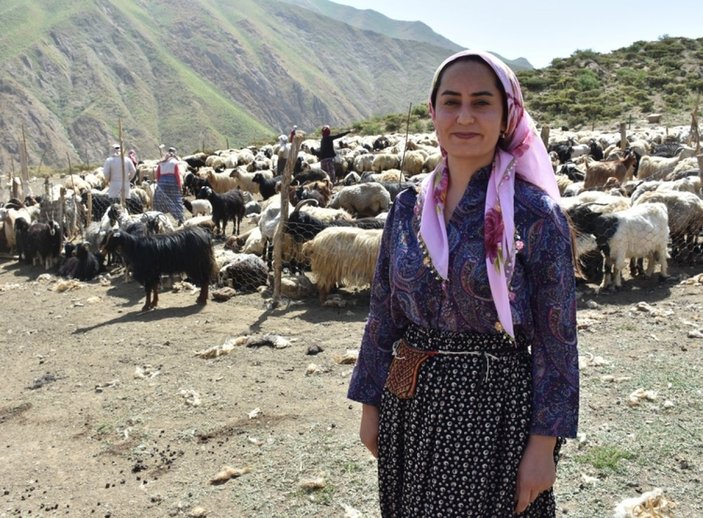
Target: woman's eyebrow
{"type": "Point", "coordinates": [481, 93]}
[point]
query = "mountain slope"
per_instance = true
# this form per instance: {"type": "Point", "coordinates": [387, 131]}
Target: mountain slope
{"type": "Point", "coordinates": [192, 73]}
{"type": "Point", "coordinates": [370, 20]}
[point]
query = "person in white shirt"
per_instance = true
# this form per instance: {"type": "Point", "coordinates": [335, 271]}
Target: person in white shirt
{"type": "Point", "coordinates": [112, 169]}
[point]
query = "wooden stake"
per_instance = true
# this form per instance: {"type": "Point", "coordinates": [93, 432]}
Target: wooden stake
{"type": "Point", "coordinates": [405, 147]}
{"type": "Point", "coordinates": [545, 136]}
{"type": "Point", "coordinates": [124, 173]}
{"type": "Point", "coordinates": [278, 235]}
{"type": "Point", "coordinates": [623, 135]}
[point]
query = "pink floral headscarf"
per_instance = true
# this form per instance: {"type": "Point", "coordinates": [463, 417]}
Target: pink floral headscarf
{"type": "Point", "coordinates": [522, 153]}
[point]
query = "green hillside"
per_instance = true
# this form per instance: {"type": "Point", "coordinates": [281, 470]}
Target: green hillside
{"type": "Point", "coordinates": [189, 73]}
{"type": "Point", "coordinates": [589, 89]}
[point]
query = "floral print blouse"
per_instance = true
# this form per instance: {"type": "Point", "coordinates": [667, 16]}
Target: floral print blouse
{"type": "Point", "coordinates": [405, 291]}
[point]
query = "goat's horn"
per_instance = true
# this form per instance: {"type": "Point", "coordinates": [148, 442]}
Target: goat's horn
{"type": "Point", "coordinates": [302, 203]}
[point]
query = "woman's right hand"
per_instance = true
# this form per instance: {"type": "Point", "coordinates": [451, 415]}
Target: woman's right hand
{"type": "Point", "coordinates": [368, 431]}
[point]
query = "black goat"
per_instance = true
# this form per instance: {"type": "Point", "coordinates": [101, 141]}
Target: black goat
{"type": "Point", "coordinates": [596, 150]}
{"type": "Point", "coordinates": [193, 183]}
{"type": "Point", "coordinates": [187, 250]}
{"type": "Point", "coordinates": [21, 233]}
{"type": "Point", "coordinates": [225, 207]}
{"type": "Point", "coordinates": [571, 171]}
{"type": "Point", "coordinates": [267, 186]}
{"type": "Point", "coordinates": [309, 176]}
{"type": "Point", "coordinates": [43, 243]}
{"type": "Point", "coordinates": [81, 263]}
{"type": "Point", "coordinates": [380, 143]}
{"type": "Point", "coordinates": [303, 226]}
{"type": "Point", "coordinates": [102, 202]}
{"type": "Point", "coordinates": [563, 150]}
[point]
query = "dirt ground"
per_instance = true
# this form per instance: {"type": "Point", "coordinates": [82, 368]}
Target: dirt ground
{"type": "Point", "coordinates": [106, 411]}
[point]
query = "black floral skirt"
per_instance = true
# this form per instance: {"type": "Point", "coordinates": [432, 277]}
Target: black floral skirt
{"type": "Point", "coordinates": [453, 450]}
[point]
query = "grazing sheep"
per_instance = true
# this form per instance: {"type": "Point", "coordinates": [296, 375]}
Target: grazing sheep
{"type": "Point", "coordinates": [685, 212]}
{"type": "Point", "coordinates": [384, 161]}
{"type": "Point", "coordinates": [343, 255]}
{"type": "Point", "coordinates": [362, 200]}
{"type": "Point", "coordinates": [225, 207]}
{"type": "Point", "coordinates": [245, 180]}
{"type": "Point", "coordinates": [221, 182]}
{"type": "Point", "coordinates": [657, 168]}
{"type": "Point", "coordinates": [187, 250]}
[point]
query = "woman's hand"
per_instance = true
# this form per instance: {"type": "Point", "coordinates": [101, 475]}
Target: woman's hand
{"type": "Point", "coordinates": [537, 471]}
{"type": "Point", "coordinates": [368, 431]}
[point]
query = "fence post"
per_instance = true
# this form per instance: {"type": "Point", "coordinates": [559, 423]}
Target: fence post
{"type": "Point", "coordinates": [298, 137]}
{"type": "Point", "coordinates": [623, 135]}
{"type": "Point", "coordinates": [545, 135]}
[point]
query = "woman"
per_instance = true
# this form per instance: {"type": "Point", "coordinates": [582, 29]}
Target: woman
{"type": "Point", "coordinates": [474, 292]}
{"type": "Point", "coordinates": [326, 152]}
{"type": "Point", "coordinates": [168, 197]}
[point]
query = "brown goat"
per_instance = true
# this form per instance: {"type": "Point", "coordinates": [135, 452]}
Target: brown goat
{"type": "Point", "coordinates": [597, 173]}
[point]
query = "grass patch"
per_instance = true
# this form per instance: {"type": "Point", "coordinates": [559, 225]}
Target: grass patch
{"type": "Point", "coordinates": [605, 457]}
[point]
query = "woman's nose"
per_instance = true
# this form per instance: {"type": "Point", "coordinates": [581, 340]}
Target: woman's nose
{"type": "Point", "coordinates": [465, 115]}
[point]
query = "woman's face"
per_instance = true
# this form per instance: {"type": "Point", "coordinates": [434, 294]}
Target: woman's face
{"type": "Point", "coordinates": [468, 114]}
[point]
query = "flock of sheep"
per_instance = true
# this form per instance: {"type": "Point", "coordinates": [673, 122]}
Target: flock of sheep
{"type": "Point", "coordinates": [639, 202]}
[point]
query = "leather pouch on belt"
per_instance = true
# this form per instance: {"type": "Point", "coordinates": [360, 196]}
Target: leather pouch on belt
{"type": "Point", "coordinates": [405, 366]}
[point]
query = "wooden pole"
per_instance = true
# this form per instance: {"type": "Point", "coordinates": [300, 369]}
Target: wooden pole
{"type": "Point", "coordinates": [693, 134]}
{"type": "Point", "coordinates": [623, 135]}
{"type": "Point", "coordinates": [24, 165]}
{"type": "Point", "coordinates": [89, 215]}
{"type": "Point", "coordinates": [62, 204]}
{"type": "Point", "coordinates": [283, 219]}
{"type": "Point", "coordinates": [405, 147]}
{"type": "Point", "coordinates": [124, 173]}
{"type": "Point", "coordinates": [545, 136]}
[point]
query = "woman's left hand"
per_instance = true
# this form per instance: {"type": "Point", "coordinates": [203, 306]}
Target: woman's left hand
{"type": "Point", "coordinates": [537, 471]}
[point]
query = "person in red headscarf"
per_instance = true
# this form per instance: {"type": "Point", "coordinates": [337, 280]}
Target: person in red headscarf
{"type": "Point", "coordinates": [326, 152]}
{"type": "Point", "coordinates": [468, 368]}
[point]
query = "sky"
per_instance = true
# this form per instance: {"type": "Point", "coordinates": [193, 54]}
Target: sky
{"type": "Point", "coordinates": [544, 30]}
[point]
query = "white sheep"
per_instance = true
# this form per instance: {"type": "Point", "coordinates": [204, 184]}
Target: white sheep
{"type": "Point", "coordinates": [657, 167]}
{"type": "Point", "coordinates": [385, 161]}
{"type": "Point", "coordinates": [221, 182]}
{"type": "Point", "coordinates": [245, 179]}
{"type": "Point", "coordinates": [414, 162]}
{"type": "Point", "coordinates": [363, 163]}
{"type": "Point", "coordinates": [685, 211]}
{"type": "Point", "coordinates": [362, 200]}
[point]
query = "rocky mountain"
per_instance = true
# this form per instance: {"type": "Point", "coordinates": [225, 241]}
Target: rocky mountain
{"type": "Point", "coordinates": [196, 73]}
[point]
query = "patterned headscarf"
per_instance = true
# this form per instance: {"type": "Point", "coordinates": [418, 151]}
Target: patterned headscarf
{"type": "Point", "coordinates": [521, 152]}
